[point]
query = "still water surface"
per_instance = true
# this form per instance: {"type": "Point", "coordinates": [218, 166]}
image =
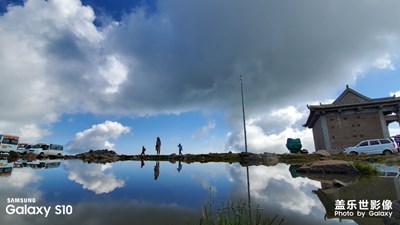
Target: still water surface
{"type": "Point", "coordinates": [164, 193]}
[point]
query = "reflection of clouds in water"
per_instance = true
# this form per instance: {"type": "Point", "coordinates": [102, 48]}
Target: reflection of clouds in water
{"type": "Point", "coordinates": [205, 184]}
{"type": "Point", "coordinates": [116, 213]}
{"type": "Point", "coordinates": [20, 178]}
{"type": "Point", "coordinates": [22, 183]}
{"type": "Point", "coordinates": [93, 176]}
{"type": "Point", "coordinates": [291, 193]}
{"type": "Point", "coordinates": [276, 191]}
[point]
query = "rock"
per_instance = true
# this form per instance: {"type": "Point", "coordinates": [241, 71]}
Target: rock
{"type": "Point", "coordinates": [251, 159]}
{"type": "Point", "coordinates": [329, 166]}
{"type": "Point", "coordinates": [99, 156]}
{"type": "Point", "coordinates": [338, 183]}
{"type": "Point", "coordinates": [323, 153]}
{"type": "Point", "coordinates": [30, 156]}
{"type": "Point", "coordinates": [304, 151]}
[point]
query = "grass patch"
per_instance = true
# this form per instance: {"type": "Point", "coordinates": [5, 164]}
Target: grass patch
{"type": "Point", "coordinates": [298, 158]}
{"type": "Point", "coordinates": [239, 213]}
{"type": "Point", "coordinates": [365, 168]}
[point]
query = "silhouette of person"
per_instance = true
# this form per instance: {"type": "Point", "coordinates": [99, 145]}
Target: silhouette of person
{"type": "Point", "coordinates": [158, 145]}
{"type": "Point", "coordinates": [179, 166]}
{"type": "Point", "coordinates": [180, 148]}
{"type": "Point", "coordinates": [156, 170]}
{"type": "Point", "coordinates": [143, 151]}
{"type": "Point", "coordinates": [141, 163]}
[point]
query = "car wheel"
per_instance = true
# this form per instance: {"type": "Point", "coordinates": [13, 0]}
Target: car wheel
{"type": "Point", "coordinates": [387, 152]}
{"type": "Point", "coordinates": [354, 153]}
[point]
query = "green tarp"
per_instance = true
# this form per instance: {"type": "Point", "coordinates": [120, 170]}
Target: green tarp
{"type": "Point", "coordinates": [293, 144]}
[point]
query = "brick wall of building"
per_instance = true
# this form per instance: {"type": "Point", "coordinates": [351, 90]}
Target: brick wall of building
{"type": "Point", "coordinates": [349, 129]}
{"type": "Point", "coordinates": [318, 136]}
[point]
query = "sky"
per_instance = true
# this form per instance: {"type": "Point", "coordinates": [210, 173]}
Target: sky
{"type": "Point", "coordinates": [117, 74]}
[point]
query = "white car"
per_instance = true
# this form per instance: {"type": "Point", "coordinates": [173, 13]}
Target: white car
{"type": "Point", "coordinates": [388, 171]}
{"type": "Point", "coordinates": [42, 149]}
{"type": "Point", "coordinates": [384, 146]}
{"type": "Point", "coordinates": [22, 148]}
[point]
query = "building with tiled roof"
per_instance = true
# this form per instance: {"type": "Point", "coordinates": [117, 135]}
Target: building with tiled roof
{"type": "Point", "coordinates": [351, 118]}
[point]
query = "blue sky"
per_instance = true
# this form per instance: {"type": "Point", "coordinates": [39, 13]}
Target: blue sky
{"type": "Point", "coordinates": [117, 74]}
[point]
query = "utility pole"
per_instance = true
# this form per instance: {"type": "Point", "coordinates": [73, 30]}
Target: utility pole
{"type": "Point", "coordinates": [244, 116]}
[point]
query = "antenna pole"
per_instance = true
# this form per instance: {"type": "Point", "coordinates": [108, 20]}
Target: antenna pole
{"type": "Point", "coordinates": [244, 116]}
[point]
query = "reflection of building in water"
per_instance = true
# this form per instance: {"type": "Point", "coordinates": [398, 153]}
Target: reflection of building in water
{"type": "Point", "coordinates": [6, 168]}
{"type": "Point", "coordinates": [376, 188]}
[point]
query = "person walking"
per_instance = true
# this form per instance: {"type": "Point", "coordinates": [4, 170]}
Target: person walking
{"type": "Point", "coordinates": [179, 166]}
{"type": "Point", "coordinates": [143, 151]}
{"type": "Point", "coordinates": [158, 145]}
{"type": "Point", "coordinates": [180, 148]}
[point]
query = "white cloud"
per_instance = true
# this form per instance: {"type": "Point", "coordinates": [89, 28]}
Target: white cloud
{"type": "Point", "coordinates": [204, 130]}
{"type": "Point", "coordinates": [397, 94]}
{"type": "Point", "coordinates": [31, 133]}
{"type": "Point", "coordinates": [186, 56]}
{"type": "Point", "coordinates": [394, 129]}
{"type": "Point", "coordinates": [114, 72]}
{"type": "Point", "coordinates": [268, 132]}
{"type": "Point", "coordinates": [97, 137]}
{"type": "Point", "coordinates": [44, 47]}
{"type": "Point", "coordinates": [384, 62]}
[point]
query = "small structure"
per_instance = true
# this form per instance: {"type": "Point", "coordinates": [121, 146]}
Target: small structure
{"type": "Point", "coordinates": [293, 145]}
{"type": "Point", "coordinates": [351, 118]}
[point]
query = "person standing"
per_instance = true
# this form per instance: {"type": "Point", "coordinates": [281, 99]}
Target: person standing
{"type": "Point", "coordinates": [156, 170]}
{"type": "Point", "coordinates": [158, 145]}
{"type": "Point", "coordinates": [180, 148]}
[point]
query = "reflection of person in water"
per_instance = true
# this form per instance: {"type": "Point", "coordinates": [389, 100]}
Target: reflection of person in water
{"type": "Point", "coordinates": [143, 151]}
{"type": "Point", "coordinates": [180, 148]}
{"type": "Point", "coordinates": [179, 166]}
{"type": "Point", "coordinates": [158, 145]}
{"type": "Point", "coordinates": [156, 170]}
{"type": "Point", "coordinates": [141, 163]}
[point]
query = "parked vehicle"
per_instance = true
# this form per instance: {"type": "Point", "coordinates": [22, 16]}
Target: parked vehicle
{"type": "Point", "coordinates": [396, 139]}
{"type": "Point", "coordinates": [5, 168]}
{"type": "Point", "coordinates": [43, 149]}
{"type": "Point", "coordinates": [388, 171]}
{"type": "Point", "coordinates": [22, 148]}
{"type": "Point", "coordinates": [8, 143]}
{"type": "Point", "coordinates": [384, 146]}
{"type": "Point", "coordinates": [41, 163]}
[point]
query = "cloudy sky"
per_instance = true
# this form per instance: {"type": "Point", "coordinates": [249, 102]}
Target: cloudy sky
{"type": "Point", "coordinates": [117, 74]}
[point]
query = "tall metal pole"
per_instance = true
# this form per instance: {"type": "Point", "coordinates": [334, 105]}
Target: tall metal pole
{"type": "Point", "coordinates": [245, 148]}
{"type": "Point", "coordinates": [244, 116]}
